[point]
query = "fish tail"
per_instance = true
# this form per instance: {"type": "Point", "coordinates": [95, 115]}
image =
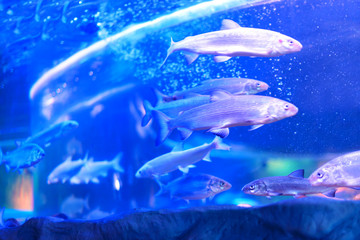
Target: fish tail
{"type": "Point", "coordinates": [169, 51]}
{"type": "Point", "coordinates": [165, 129]}
{"type": "Point", "coordinates": [219, 144]}
{"type": "Point", "coordinates": [148, 113]}
{"type": "Point", "coordinates": [162, 189]}
{"type": "Point", "coordinates": [116, 162]}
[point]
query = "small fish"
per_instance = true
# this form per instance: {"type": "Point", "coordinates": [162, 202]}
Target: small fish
{"type": "Point", "coordinates": [23, 157]}
{"type": "Point", "coordinates": [179, 159]}
{"type": "Point", "coordinates": [292, 185]}
{"type": "Point", "coordinates": [343, 171]}
{"type": "Point", "coordinates": [226, 111]}
{"type": "Point", "coordinates": [194, 187]}
{"type": "Point", "coordinates": [91, 171]}
{"type": "Point", "coordinates": [65, 170]}
{"type": "Point", "coordinates": [73, 206]}
{"type": "Point", "coordinates": [173, 108]}
{"type": "Point", "coordinates": [236, 86]}
{"type": "Point", "coordinates": [232, 41]}
{"type": "Point", "coordinates": [97, 214]}
{"type": "Point", "coordinates": [56, 131]}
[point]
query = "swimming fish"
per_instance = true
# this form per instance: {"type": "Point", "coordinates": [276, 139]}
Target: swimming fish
{"type": "Point", "coordinates": [23, 157]}
{"type": "Point", "coordinates": [343, 171]}
{"type": "Point", "coordinates": [97, 214]}
{"type": "Point", "coordinates": [236, 86]}
{"type": "Point", "coordinates": [173, 108]}
{"type": "Point", "coordinates": [179, 159]}
{"type": "Point", "coordinates": [232, 41]}
{"type": "Point", "coordinates": [65, 170]}
{"type": "Point", "coordinates": [73, 206]}
{"type": "Point", "coordinates": [91, 171]}
{"type": "Point", "coordinates": [292, 185]}
{"type": "Point", "coordinates": [226, 111]}
{"type": "Point", "coordinates": [56, 131]}
{"type": "Point", "coordinates": [194, 187]}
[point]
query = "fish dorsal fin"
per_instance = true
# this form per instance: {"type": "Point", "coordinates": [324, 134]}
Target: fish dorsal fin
{"type": "Point", "coordinates": [297, 174]}
{"type": "Point", "coordinates": [227, 24]}
{"type": "Point", "coordinates": [219, 95]}
{"type": "Point", "coordinates": [178, 147]}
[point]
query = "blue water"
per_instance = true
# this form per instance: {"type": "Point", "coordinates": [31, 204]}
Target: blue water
{"type": "Point", "coordinates": [321, 81]}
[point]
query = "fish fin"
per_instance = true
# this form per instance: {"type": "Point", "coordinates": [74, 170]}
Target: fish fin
{"type": "Point", "coordinates": [253, 127]}
{"type": "Point", "coordinates": [18, 143]}
{"type": "Point", "coordinates": [220, 145]}
{"type": "Point", "coordinates": [227, 24]}
{"type": "Point", "coordinates": [220, 95]}
{"type": "Point", "coordinates": [191, 166]}
{"type": "Point", "coordinates": [190, 57]}
{"type": "Point", "coordinates": [160, 97]}
{"type": "Point", "coordinates": [95, 180]}
{"type": "Point", "coordinates": [297, 174]}
{"type": "Point", "coordinates": [165, 130]}
{"type": "Point", "coordinates": [75, 180]}
{"type": "Point", "coordinates": [185, 133]}
{"type": "Point", "coordinates": [178, 147]}
{"type": "Point", "coordinates": [221, 58]}
{"type": "Point", "coordinates": [169, 51]}
{"type": "Point", "coordinates": [148, 111]}
{"type": "Point", "coordinates": [185, 170]}
{"type": "Point", "coordinates": [207, 157]}
{"type": "Point", "coordinates": [221, 132]}
{"type": "Point", "coordinates": [330, 193]}
{"type": "Point", "coordinates": [116, 162]}
{"type": "Point", "coordinates": [162, 187]}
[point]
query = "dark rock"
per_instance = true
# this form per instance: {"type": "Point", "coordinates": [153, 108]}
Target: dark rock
{"type": "Point", "coordinates": [306, 218]}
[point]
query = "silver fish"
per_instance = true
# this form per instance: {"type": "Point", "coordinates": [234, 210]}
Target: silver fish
{"type": "Point", "coordinates": [343, 171]}
{"type": "Point", "coordinates": [56, 131]}
{"type": "Point", "coordinates": [292, 185]}
{"type": "Point", "coordinates": [66, 170]}
{"type": "Point", "coordinates": [232, 41]}
{"type": "Point", "coordinates": [236, 86]}
{"type": "Point", "coordinates": [178, 159]}
{"type": "Point", "coordinates": [194, 187]}
{"type": "Point", "coordinates": [226, 111]}
{"type": "Point", "coordinates": [73, 206]}
{"type": "Point", "coordinates": [23, 157]}
{"type": "Point", "coordinates": [173, 108]}
{"type": "Point", "coordinates": [91, 171]}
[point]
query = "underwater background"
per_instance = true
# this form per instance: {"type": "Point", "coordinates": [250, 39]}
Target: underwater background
{"type": "Point", "coordinates": [104, 92]}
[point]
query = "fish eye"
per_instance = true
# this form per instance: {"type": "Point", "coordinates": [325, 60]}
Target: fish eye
{"type": "Point", "coordinates": [319, 174]}
{"type": "Point", "coordinates": [222, 184]}
{"type": "Point", "coordinates": [252, 187]}
{"type": "Point", "coordinates": [286, 107]}
{"type": "Point", "coordinates": [258, 84]}
{"type": "Point", "coordinates": [290, 41]}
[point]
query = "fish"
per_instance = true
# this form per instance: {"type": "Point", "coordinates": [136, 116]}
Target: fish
{"type": "Point", "coordinates": [179, 159]}
{"type": "Point", "coordinates": [293, 184]}
{"type": "Point", "coordinates": [25, 156]}
{"type": "Point", "coordinates": [223, 112]}
{"type": "Point", "coordinates": [97, 214]}
{"type": "Point", "coordinates": [92, 170]}
{"type": "Point", "coordinates": [233, 40]}
{"type": "Point", "coordinates": [56, 131]}
{"type": "Point", "coordinates": [173, 108]}
{"type": "Point", "coordinates": [343, 171]}
{"type": "Point", "coordinates": [194, 187]}
{"type": "Point", "coordinates": [65, 170]}
{"type": "Point", "coordinates": [73, 206]}
{"type": "Point", "coordinates": [236, 86]}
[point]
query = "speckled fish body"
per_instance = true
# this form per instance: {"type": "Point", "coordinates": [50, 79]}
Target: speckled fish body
{"type": "Point", "coordinates": [233, 40]}
{"type": "Point", "coordinates": [292, 185]}
{"type": "Point", "coordinates": [232, 111]}
{"type": "Point", "coordinates": [23, 157]}
{"type": "Point", "coordinates": [47, 136]}
{"type": "Point", "coordinates": [236, 86]}
{"type": "Point", "coordinates": [343, 171]}
{"type": "Point", "coordinates": [178, 160]}
{"type": "Point", "coordinates": [91, 171]}
{"type": "Point", "coordinates": [196, 186]}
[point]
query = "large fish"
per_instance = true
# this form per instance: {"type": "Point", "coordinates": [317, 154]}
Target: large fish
{"type": "Point", "coordinates": [91, 171]}
{"type": "Point", "coordinates": [236, 86]}
{"type": "Point", "coordinates": [292, 185]}
{"type": "Point", "coordinates": [194, 187]}
{"type": "Point", "coordinates": [232, 41]}
{"type": "Point", "coordinates": [178, 159]}
{"type": "Point", "coordinates": [23, 157]}
{"type": "Point", "coordinates": [65, 170]}
{"type": "Point", "coordinates": [56, 131]}
{"type": "Point", "coordinates": [226, 111]}
{"type": "Point", "coordinates": [343, 171]}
